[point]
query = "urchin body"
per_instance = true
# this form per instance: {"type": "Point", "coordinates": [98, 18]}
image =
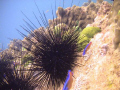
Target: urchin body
{"type": "Point", "coordinates": [54, 53]}
{"type": "Point", "coordinates": [10, 79]}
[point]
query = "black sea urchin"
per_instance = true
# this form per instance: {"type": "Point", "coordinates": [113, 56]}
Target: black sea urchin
{"type": "Point", "coordinates": [54, 54]}
{"type": "Point", "coordinates": [54, 51]}
{"type": "Point", "coordinates": [12, 79]}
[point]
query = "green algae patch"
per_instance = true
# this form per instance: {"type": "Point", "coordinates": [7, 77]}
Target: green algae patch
{"type": "Point", "coordinates": [86, 35]}
{"type": "Point", "coordinates": [82, 42]}
{"type": "Point", "coordinates": [90, 31]}
{"type": "Point", "coordinates": [119, 12]}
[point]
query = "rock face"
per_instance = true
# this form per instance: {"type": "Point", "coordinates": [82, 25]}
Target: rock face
{"type": "Point", "coordinates": [92, 10]}
{"type": "Point", "coordinates": [87, 3]}
{"type": "Point", "coordinates": [75, 16]}
{"type": "Point", "coordinates": [104, 8]}
{"type": "Point", "coordinates": [101, 19]}
{"type": "Point", "coordinates": [116, 39]}
{"type": "Point", "coordinates": [99, 1]}
{"type": "Point", "coordinates": [71, 16]}
{"type": "Point", "coordinates": [116, 7]}
{"type": "Point", "coordinates": [114, 17]}
{"type": "Point", "coordinates": [102, 69]}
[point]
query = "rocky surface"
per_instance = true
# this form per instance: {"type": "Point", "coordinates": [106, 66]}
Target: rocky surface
{"type": "Point", "coordinates": [76, 16]}
{"type": "Point", "coordinates": [101, 66]}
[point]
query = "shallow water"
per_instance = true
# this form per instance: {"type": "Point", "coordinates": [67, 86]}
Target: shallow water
{"type": "Point", "coordinates": [50, 56]}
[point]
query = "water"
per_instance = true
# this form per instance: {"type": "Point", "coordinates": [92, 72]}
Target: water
{"type": "Point", "coordinates": [53, 52]}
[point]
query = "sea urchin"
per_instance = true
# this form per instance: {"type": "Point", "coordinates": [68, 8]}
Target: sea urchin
{"type": "Point", "coordinates": [54, 51]}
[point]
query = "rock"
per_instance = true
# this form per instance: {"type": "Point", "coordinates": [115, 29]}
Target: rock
{"type": "Point", "coordinates": [116, 7]}
{"type": "Point", "coordinates": [104, 49]}
{"type": "Point", "coordinates": [116, 39]}
{"type": "Point", "coordinates": [99, 1]}
{"type": "Point", "coordinates": [86, 3]}
{"type": "Point", "coordinates": [75, 16]}
{"type": "Point", "coordinates": [104, 8]}
{"type": "Point", "coordinates": [92, 10]}
{"type": "Point", "coordinates": [101, 20]}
